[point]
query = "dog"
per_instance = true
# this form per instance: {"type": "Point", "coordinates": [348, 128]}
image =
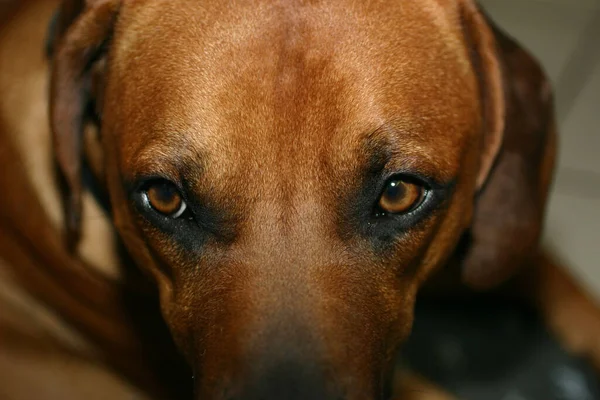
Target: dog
{"type": "Point", "coordinates": [243, 199]}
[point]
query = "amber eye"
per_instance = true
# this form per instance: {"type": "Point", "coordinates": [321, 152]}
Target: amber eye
{"type": "Point", "coordinates": [164, 197]}
{"type": "Point", "coordinates": [400, 196]}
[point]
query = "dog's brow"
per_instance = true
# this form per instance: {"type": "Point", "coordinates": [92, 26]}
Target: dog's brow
{"type": "Point", "coordinates": [378, 155]}
{"type": "Point", "coordinates": [178, 167]}
{"type": "Point", "coordinates": [389, 149]}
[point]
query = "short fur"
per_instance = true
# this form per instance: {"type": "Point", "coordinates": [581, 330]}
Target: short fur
{"type": "Point", "coordinates": [280, 121]}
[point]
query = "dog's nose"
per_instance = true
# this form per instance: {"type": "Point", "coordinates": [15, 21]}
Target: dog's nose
{"type": "Point", "coordinates": [289, 380]}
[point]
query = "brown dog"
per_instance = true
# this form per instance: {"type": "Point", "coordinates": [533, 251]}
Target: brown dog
{"type": "Point", "coordinates": [288, 173]}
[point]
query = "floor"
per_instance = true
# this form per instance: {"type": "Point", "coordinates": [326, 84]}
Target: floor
{"type": "Point", "coordinates": [565, 36]}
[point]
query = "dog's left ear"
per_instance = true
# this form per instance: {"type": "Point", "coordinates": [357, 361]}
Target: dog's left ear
{"type": "Point", "coordinates": [77, 41]}
{"type": "Point", "coordinates": [518, 153]}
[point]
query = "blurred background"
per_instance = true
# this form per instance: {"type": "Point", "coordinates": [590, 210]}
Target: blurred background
{"type": "Point", "coordinates": [565, 36]}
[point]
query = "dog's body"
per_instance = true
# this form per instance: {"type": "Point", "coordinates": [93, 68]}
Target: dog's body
{"type": "Point", "coordinates": [81, 323]}
{"type": "Point", "coordinates": [42, 356]}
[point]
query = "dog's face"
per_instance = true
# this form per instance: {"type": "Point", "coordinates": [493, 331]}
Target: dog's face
{"type": "Point", "coordinates": [293, 173]}
{"type": "Point", "coordinates": [290, 173]}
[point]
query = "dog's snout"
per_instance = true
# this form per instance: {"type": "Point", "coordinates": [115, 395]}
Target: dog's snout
{"type": "Point", "coordinates": [291, 380]}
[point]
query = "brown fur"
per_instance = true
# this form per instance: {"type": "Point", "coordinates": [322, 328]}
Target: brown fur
{"type": "Point", "coordinates": [272, 113]}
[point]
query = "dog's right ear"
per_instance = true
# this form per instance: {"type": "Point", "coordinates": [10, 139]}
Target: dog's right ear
{"type": "Point", "coordinates": [78, 39]}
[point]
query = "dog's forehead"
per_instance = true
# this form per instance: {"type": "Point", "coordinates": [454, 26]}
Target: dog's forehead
{"type": "Point", "coordinates": [261, 79]}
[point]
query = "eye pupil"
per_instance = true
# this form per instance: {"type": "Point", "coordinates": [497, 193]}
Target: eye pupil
{"type": "Point", "coordinates": [395, 190]}
{"type": "Point", "coordinates": [164, 192]}
{"type": "Point", "coordinates": [165, 198]}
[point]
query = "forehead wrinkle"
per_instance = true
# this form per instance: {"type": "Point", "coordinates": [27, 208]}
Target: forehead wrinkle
{"type": "Point", "coordinates": [222, 134]}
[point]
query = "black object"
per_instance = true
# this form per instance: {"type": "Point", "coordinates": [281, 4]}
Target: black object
{"type": "Point", "coordinates": [491, 349]}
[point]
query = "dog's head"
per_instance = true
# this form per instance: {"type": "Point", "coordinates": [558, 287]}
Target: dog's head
{"type": "Point", "coordinates": [291, 172]}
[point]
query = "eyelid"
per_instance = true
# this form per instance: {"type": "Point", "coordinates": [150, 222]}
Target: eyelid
{"type": "Point", "coordinates": [411, 177]}
{"type": "Point", "coordinates": [143, 181]}
{"type": "Point", "coordinates": [431, 184]}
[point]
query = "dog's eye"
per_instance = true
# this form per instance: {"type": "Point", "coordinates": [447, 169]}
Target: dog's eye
{"type": "Point", "coordinates": [400, 196]}
{"type": "Point", "coordinates": [164, 197]}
